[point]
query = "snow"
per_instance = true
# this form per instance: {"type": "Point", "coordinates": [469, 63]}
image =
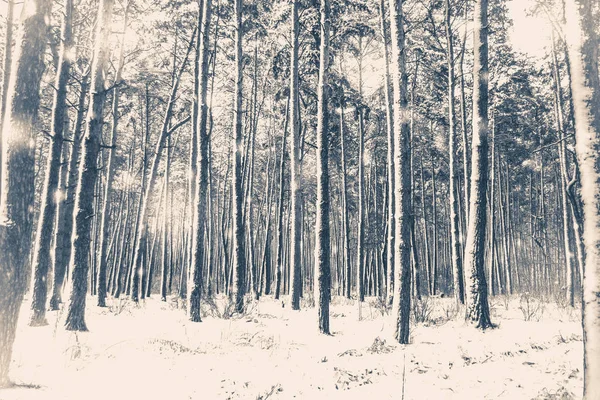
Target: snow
{"type": "Point", "coordinates": [151, 351]}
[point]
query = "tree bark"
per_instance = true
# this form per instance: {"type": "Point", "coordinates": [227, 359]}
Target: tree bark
{"type": "Point", "coordinates": [62, 238]}
{"type": "Point", "coordinates": [102, 257]}
{"type": "Point", "coordinates": [296, 177]}
{"type": "Point", "coordinates": [402, 285]}
{"type": "Point", "coordinates": [583, 54]}
{"type": "Point", "coordinates": [18, 176]}
{"type": "Point", "coordinates": [88, 173]}
{"type": "Point", "coordinates": [322, 288]}
{"type": "Point", "coordinates": [239, 254]}
{"type": "Point", "coordinates": [200, 217]}
{"type": "Point", "coordinates": [455, 246]}
{"type": "Point", "coordinates": [477, 297]}
{"type": "Point", "coordinates": [43, 240]}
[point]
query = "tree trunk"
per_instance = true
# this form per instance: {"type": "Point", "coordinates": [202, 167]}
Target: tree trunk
{"type": "Point", "coordinates": [455, 246]}
{"type": "Point", "coordinates": [296, 177]}
{"type": "Point", "coordinates": [110, 171]}
{"type": "Point", "coordinates": [391, 222]}
{"type": "Point", "coordinates": [88, 173]}
{"type": "Point", "coordinates": [322, 288]}
{"type": "Point", "coordinates": [18, 176]}
{"type": "Point", "coordinates": [8, 38]}
{"type": "Point", "coordinates": [64, 228]}
{"type": "Point", "coordinates": [477, 297]}
{"type": "Point", "coordinates": [142, 229]}
{"type": "Point", "coordinates": [200, 218]}
{"type": "Point", "coordinates": [43, 239]}
{"type": "Point", "coordinates": [280, 239]}
{"type": "Point", "coordinates": [583, 53]}
{"type": "Point", "coordinates": [401, 302]}
{"type": "Point", "coordinates": [239, 254]}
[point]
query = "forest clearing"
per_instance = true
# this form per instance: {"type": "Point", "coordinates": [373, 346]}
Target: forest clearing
{"type": "Point", "coordinates": [300, 199]}
{"type": "Point", "coordinates": [269, 353]}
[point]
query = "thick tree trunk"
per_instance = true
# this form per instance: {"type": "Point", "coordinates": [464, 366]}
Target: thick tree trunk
{"type": "Point", "coordinates": [477, 297]}
{"type": "Point", "coordinates": [296, 177]}
{"type": "Point", "coordinates": [583, 53]}
{"type": "Point", "coordinates": [322, 287]}
{"type": "Point", "coordinates": [88, 173]}
{"type": "Point", "coordinates": [401, 302]}
{"type": "Point", "coordinates": [43, 239]}
{"type": "Point", "coordinates": [199, 216]}
{"type": "Point", "coordinates": [18, 176]}
{"type": "Point", "coordinates": [239, 254]}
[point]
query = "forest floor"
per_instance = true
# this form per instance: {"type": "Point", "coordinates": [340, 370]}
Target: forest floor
{"type": "Point", "coordinates": [152, 352]}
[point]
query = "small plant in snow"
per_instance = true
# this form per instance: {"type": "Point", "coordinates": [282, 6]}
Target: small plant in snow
{"type": "Point", "coordinates": [532, 308]}
{"type": "Point", "coordinates": [423, 310]}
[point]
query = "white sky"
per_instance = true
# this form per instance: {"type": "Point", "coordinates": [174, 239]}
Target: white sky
{"type": "Point", "coordinates": [530, 35]}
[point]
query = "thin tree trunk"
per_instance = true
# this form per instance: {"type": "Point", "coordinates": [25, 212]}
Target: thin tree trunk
{"type": "Point", "coordinates": [102, 256]}
{"type": "Point", "coordinates": [456, 248]}
{"type": "Point", "coordinates": [142, 230]}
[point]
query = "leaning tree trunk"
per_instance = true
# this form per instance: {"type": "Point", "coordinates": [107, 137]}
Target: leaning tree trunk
{"type": "Point", "coordinates": [296, 177]}
{"type": "Point", "coordinates": [43, 239]}
{"type": "Point", "coordinates": [102, 257]}
{"type": "Point", "coordinates": [238, 228]}
{"type": "Point", "coordinates": [201, 221]}
{"type": "Point", "coordinates": [322, 287]}
{"type": "Point", "coordinates": [18, 176]}
{"type": "Point", "coordinates": [477, 296]}
{"type": "Point", "coordinates": [167, 129]}
{"type": "Point", "coordinates": [583, 54]}
{"type": "Point", "coordinates": [401, 301]}
{"type": "Point", "coordinates": [88, 173]}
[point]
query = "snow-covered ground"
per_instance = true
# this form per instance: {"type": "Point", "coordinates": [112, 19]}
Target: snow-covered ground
{"type": "Point", "coordinates": [152, 352]}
